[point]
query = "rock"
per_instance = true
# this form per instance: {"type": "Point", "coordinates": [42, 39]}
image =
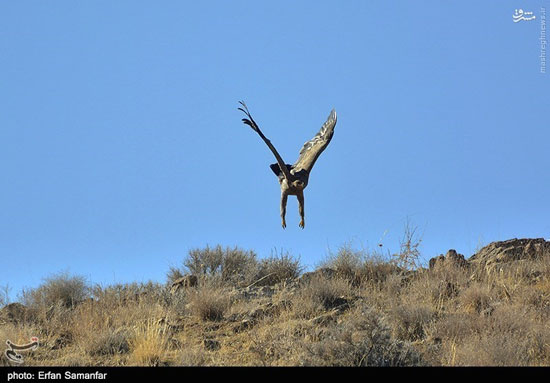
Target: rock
{"type": "Point", "coordinates": [451, 258]}
{"type": "Point", "coordinates": [184, 282]}
{"type": "Point", "coordinates": [512, 250]}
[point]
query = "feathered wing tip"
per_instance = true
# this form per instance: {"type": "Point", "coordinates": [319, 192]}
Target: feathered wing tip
{"type": "Point", "coordinates": [248, 121]}
{"type": "Point", "coordinates": [332, 116]}
{"type": "Point", "coordinates": [325, 133]}
{"type": "Point", "coordinates": [330, 122]}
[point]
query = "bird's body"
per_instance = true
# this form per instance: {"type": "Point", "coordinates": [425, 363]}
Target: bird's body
{"type": "Point", "coordinates": [293, 179]}
{"type": "Point", "coordinates": [298, 179]}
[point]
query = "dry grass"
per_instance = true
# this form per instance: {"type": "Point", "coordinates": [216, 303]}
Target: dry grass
{"type": "Point", "coordinates": [367, 312]}
{"type": "Point", "coordinates": [149, 344]}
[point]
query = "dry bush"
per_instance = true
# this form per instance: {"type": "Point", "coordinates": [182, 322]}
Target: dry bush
{"type": "Point", "coordinates": [120, 294]}
{"type": "Point", "coordinates": [61, 289]}
{"type": "Point", "coordinates": [278, 343]}
{"type": "Point", "coordinates": [102, 328]}
{"type": "Point", "coordinates": [359, 267]}
{"type": "Point", "coordinates": [320, 294]}
{"type": "Point", "coordinates": [51, 321]}
{"type": "Point", "coordinates": [410, 321]}
{"type": "Point", "coordinates": [454, 327]}
{"type": "Point", "coordinates": [509, 337]}
{"type": "Point", "coordinates": [364, 339]}
{"type": "Point", "coordinates": [277, 268]}
{"type": "Point", "coordinates": [209, 302]}
{"type": "Point", "coordinates": [230, 265]}
{"type": "Point", "coordinates": [107, 341]}
{"type": "Point", "coordinates": [536, 297]}
{"type": "Point", "coordinates": [194, 357]}
{"type": "Point", "coordinates": [377, 270]}
{"type": "Point", "coordinates": [408, 257]}
{"type": "Point", "coordinates": [490, 350]}
{"type": "Point", "coordinates": [439, 287]}
{"type": "Point", "coordinates": [346, 262]}
{"type": "Point", "coordinates": [477, 299]}
{"type": "Point", "coordinates": [4, 295]}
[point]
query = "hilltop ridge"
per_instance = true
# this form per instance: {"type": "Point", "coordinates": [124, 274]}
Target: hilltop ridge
{"type": "Point", "coordinates": [225, 307]}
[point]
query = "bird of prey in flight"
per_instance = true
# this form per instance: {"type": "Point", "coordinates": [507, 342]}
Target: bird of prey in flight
{"type": "Point", "coordinates": [294, 178]}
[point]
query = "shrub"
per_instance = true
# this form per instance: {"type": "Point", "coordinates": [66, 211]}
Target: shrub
{"type": "Point", "coordinates": [193, 357]}
{"type": "Point", "coordinates": [476, 299]}
{"type": "Point", "coordinates": [107, 342]}
{"type": "Point", "coordinates": [278, 268]}
{"type": "Point", "coordinates": [209, 302]}
{"type": "Point", "coordinates": [410, 321]}
{"type": "Point", "coordinates": [363, 340]}
{"type": "Point", "coordinates": [230, 265]}
{"type": "Point", "coordinates": [347, 263]}
{"type": "Point", "coordinates": [454, 327]}
{"type": "Point", "coordinates": [492, 349]}
{"type": "Point", "coordinates": [320, 294]}
{"type": "Point", "coordinates": [377, 270]}
{"type": "Point", "coordinates": [358, 266]}
{"type": "Point", "coordinates": [58, 290]}
{"type": "Point", "coordinates": [4, 295]}
{"type": "Point", "coordinates": [409, 253]}
{"type": "Point", "coordinates": [121, 294]}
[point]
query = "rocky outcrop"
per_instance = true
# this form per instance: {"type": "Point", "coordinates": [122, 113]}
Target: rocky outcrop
{"type": "Point", "coordinates": [497, 252]}
{"type": "Point", "coordinates": [512, 250]}
{"type": "Point", "coordinates": [451, 258]}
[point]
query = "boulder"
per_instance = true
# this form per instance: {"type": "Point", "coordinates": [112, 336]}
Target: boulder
{"type": "Point", "coordinates": [451, 258]}
{"type": "Point", "coordinates": [512, 250]}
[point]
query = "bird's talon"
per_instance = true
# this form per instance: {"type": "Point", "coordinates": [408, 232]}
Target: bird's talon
{"type": "Point", "coordinates": [302, 224]}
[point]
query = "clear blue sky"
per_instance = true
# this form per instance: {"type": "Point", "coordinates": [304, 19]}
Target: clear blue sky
{"type": "Point", "coordinates": [122, 147]}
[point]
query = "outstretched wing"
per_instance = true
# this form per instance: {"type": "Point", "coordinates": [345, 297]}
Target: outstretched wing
{"type": "Point", "coordinates": [314, 147]}
{"type": "Point", "coordinates": [250, 122]}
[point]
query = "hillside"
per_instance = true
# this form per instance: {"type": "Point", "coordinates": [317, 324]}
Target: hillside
{"type": "Point", "coordinates": [226, 307]}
